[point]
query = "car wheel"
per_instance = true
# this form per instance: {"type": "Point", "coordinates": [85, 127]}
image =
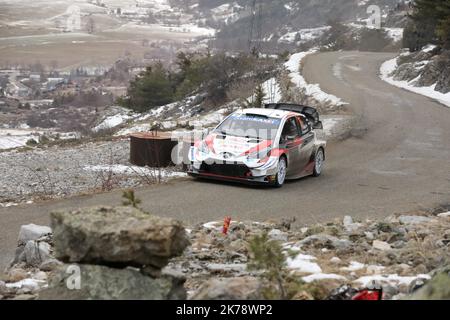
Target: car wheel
{"type": "Point", "coordinates": [319, 159]}
{"type": "Point", "coordinates": [280, 178]}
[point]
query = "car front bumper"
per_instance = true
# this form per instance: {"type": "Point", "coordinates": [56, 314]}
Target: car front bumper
{"type": "Point", "coordinates": [240, 169]}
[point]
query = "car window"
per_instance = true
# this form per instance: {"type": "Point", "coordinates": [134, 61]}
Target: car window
{"type": "Point", "coordinates": [290, 129]}
{"type": "Point", "coordinates": [253, 126]}
{"type": "Point", "coordinates": [303, 125]}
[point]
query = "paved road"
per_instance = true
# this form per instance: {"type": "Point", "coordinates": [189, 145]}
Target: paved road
{"type": "Point", "coordinates": [396, 160]}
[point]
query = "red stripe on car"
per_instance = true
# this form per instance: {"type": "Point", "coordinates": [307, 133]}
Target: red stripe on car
{"type": "Point", "coordinates": [262, 146]}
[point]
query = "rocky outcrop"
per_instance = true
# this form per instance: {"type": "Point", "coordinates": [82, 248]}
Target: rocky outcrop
{"type": "Point", "coordinates": [443, 82]}
{"type": "Point", "coordinates": [104, 283]}
{"type": "Point", "coordinates": [341, 257]}
{"type": "Point", "coordinates": [117, 237]}
{"type": "Point", "coordinates": [34, 245]}
{"type": "Point", "coordinates": [425, 68]}
{"type": "Point", "coordinates": [118, 253]}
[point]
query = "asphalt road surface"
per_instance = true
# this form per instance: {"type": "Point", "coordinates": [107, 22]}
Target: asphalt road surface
{"type": "Point", "coordinates": [397, 159]}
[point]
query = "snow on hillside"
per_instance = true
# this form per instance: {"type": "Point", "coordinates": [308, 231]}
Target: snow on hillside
{"type": "Point", "coordinates": [313, 90]}
{"type": "Point", "coordinates": [228, 12]}
{"type": "Point", "coordinates": [154, 28]}
{"type": "Point", "coordinates": [16, 138]}
{"type": "Point", "coordinates": [390, 66]}
{"type": "Point", "coordinates": [115, 117]}
{"type": "Point", "coordinates": [303, 35]}
{"type": "Point", "coordinates": [396, 34]}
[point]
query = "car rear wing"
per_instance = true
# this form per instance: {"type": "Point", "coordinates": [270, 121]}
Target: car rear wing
{"type": "Point", "coordinates": [309, 112]}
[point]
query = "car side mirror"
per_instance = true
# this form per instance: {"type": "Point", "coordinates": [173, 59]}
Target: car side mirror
{"type": "Point", "coordinates": [318, 125]}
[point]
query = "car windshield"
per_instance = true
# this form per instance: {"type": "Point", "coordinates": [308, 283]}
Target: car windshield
{"type": "Point", "coordinates": [250, 126]}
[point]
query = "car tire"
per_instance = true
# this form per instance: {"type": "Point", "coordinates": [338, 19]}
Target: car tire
{"type": "Point", "coordinates": [280, 177]}
{"type": "Point", "coordinates": [319, 159]}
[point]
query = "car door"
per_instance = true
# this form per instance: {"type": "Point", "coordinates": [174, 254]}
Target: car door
{"type": "Point", "coordinates": [291, 141]}
{"type": "Point", "coordinates": [307, 144]}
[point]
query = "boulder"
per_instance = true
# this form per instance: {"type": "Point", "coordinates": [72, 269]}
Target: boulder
{"type": "Point", "coordinates": [336, 260]}
{"type": "Point", "coordinates": [104, 283]}
{"type": "Point", "coordinates": [32, 232]}
{"type": "Point", "coordinates": [437, 288]}
{"type": "Point", "coordinates": [118, 237]}
{"type": "Point", "coordinates": [278, 235]}
{"type": "Point", "coordinates": [381, 245]}
{"type": "Point", "coordinates": [243, 288]}
{"type": "Point", "coordinates": [353, 228]}
{"type": "Point", "coordinates": [36, 252]}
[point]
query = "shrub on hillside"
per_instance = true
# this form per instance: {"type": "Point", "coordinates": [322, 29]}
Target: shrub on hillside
{"type": "Point", "coordinates": [150, 89]}
{"type": "Point", "coordinates": [215, 75]}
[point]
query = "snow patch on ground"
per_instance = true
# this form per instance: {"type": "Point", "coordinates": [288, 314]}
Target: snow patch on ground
{"type": "Point", "coordinates": [314, 90]}
{"type": "Point", "coordinates": [15, 138]}
{"type": "Point", "coordinates": [391, 279]}
{"type": "Point", "coordinates": [354, 266]}
{"type": "Point", "coordinates": [323, 276]}
{"type": "Point", "coordinates": [113, 121]}
{"type": "Point", "coordinates": [158, 111]}
{"type": "Point", "coordinates": [18, 137]}
{"type": "Point", "coordinates": [31, 284]}
{"type": "Point", "coordinates": [388, 67]}
{"type": "Point", "coordinates": [210, 119]}
{"type": "Point", "coordinates": [8, 204]}
{"type": "Point", "coordinates": [303, 263]}
{"type": "Point", "coordinates": [429, 48]}
{"type": "Point", "coordinates": [144, 127]}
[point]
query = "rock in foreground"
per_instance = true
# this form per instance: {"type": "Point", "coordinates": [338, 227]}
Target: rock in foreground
{"type": "Point", "coordinates": [31, 232]}
{"type": "Point", "coordinates": [118, 237]}
{"type": "Point", "coordinates": [103, 283]}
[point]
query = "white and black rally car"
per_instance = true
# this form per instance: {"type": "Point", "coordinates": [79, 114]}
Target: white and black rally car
{"type": "Point", "coordinates": [267, 145]}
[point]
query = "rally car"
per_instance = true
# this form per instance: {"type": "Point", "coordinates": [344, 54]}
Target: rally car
{"type": "Point", "coordinates": [265, 145]}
